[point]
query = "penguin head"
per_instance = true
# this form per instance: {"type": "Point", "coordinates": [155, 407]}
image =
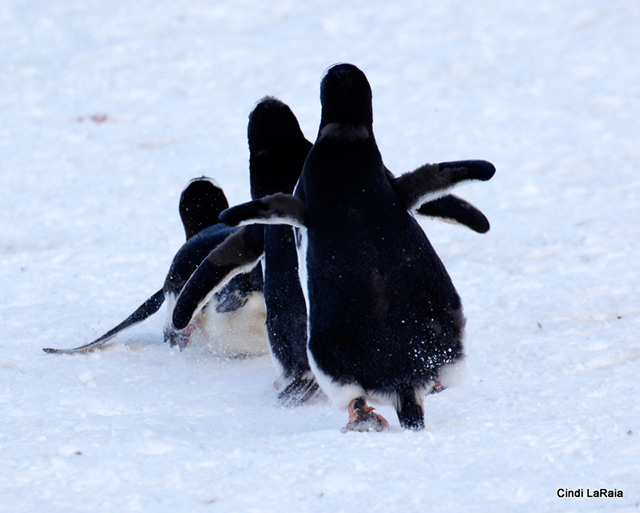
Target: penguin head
{"type": "Point", "coordinates": [271, 123]}
{"type": "Point", "coordinates": [277, 148]}
{"type": "Point", "coordinates": [346, 97]}
{"type": "Point", "coordinates": [201, 202]}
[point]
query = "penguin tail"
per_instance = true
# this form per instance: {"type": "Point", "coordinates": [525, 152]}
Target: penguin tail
{"type": "Point", "coordinates": [410, 410]}
{"type": "Point", "coordinates": [144, 311]}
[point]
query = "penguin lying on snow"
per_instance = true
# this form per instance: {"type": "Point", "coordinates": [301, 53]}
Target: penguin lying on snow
{"type": "Point", "coordinates": [383, 315]}
{"type": "Point", "coordinates": [278, 150]}
{"type": "Point", "coordinates": [233, 322]}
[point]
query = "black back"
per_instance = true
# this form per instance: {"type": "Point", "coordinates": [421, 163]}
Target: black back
{"type": "Point", "coordinates": [383, 311]}
{"type": "Point", "coordinates": [192, 253]}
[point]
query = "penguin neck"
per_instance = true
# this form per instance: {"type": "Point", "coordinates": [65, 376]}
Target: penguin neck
{"type": "Point", "coordinates": [347, 155]}
{"type": "Point", "coordinates": [345, 129]}
{"type": "Point", "coordinates": [277, 168]}
{"type": "Point", "coordinates": [261, 187]}
{"type": "Point", "coordinates": [345, 132]}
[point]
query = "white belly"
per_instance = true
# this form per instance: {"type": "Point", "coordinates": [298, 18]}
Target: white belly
{"type": "Point", "coordinates": [234, 334]}
{"type": "Point", "coordinates": [231, 334]}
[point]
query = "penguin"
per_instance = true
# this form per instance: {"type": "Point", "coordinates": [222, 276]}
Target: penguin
{"type": "Point", "coordinates": [384, 320]}
{"type": "Point", "coordinates": [245, 248]}
{"type": "Point", "coordinates": [233, 323]}
{"type": "Point", "coordinates": [278, 149]}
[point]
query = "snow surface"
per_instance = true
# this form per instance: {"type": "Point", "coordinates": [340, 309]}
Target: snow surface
{"type": "Point", "coordinates": [108, 108]}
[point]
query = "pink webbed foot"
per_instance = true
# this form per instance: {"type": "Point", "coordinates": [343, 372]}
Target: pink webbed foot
{"type": "Point", "coordinates": [437, 387]}
{"type": "Point", "coordinates": [363, 418]}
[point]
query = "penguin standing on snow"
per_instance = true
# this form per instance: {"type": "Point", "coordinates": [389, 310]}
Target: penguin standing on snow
{"type": "Point", "coordinates": [233, 323]}
{"type": "Point", "coordinates": [384, 318]}
{"type": "Point", "coordinates": [278, 150]}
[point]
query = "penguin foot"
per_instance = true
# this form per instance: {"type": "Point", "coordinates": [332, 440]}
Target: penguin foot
{"type": "Point", "coordinates": [362, 418]}
{"type": "Point", "coordinates": [437, 387]}
{"type": "Point", "coordinates": [180, 338]}
{"type": "Point", "coordinates": [300, 391]}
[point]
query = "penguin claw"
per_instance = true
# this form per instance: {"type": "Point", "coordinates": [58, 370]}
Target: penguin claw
{"type": "Point", "coordinates": [437, 387]}
{"type": "Point", "coordinates": [362, 418]}
{"type": "Point", "coordinates": [298, 392]}
{"type": "Point", "coordinates": [180, 338]}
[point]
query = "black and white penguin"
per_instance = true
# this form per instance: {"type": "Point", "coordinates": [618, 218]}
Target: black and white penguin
{"type": "Point", "coordinates": [384, 319]}
{"type": "Point", "coordinates": [278, 150]}
{"type": "Point", "coordinates": [233, 323]}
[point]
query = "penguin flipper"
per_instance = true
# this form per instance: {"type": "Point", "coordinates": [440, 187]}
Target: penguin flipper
{"type": "Point", "coordinates": [432, 181]}
{"type": "Point", "coordinates": [148, 308]}
{"type": "Point", "coordinates": [239, 253]}
{"type": "Point", "coordinates": [455, 210]}
{"type": "Point", "coordinates": [278, 208]}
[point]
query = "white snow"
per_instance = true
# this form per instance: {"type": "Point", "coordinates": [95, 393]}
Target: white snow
{"type": "Point", "coordinates": [108, 108]}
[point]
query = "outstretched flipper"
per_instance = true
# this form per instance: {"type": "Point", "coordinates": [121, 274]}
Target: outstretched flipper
{"type": "Point", "coordinates": [449, 209]}
{"type": "Point", "coordinates": [148, 308]}
{"type": "Point", "coordinates": [239, 253]}
{"type": "Point", "coordinates": [455, 210]}
{"type": "Point", "coordinates": [278, 208]}
{"type": "Point", "coordinates": [432, 181]}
